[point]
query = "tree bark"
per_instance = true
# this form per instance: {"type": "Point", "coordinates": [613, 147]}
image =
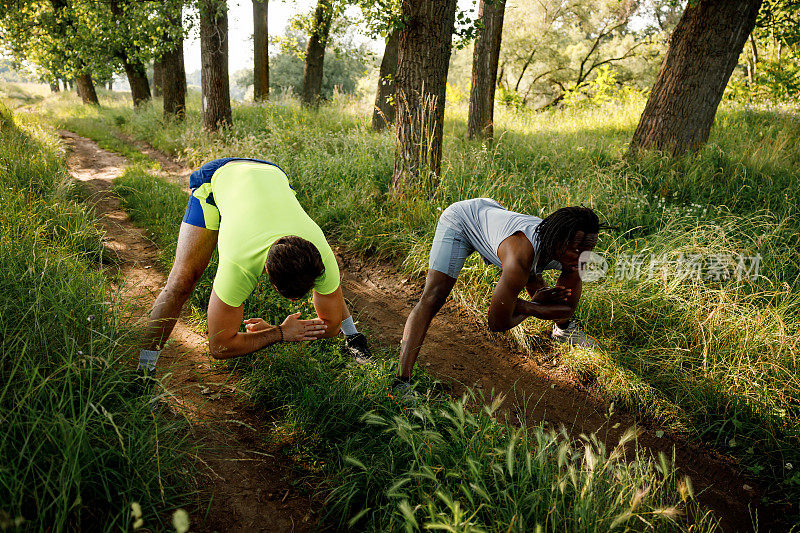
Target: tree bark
{"type": "Point", "coordinates": [173, 70]}
{"type": "Point", "coordinates": [485, 58]}
{"type": "Point", "coordinates": [174, 81]}
{"type": "Point", "coordinates": [260, 51]}
{"type": "Point", "coordinates": [315, 53]}
{"type": "Point", "coordinates": [214, 64]}
{"type": "Point", "coordinates": [54, 88]}
{"type": "Point", "coordinates": [137, 79]}
{"type": "Point", "coordinates": [703, 51]}
{"type": "Point", "coordinates": [384, 112]}
{"type": "Point", "coordinates": [158, 76]}
{"type": "Point", "coordinates": [86, 90]}
{"type": "Point", "coordinates": [422, 65]}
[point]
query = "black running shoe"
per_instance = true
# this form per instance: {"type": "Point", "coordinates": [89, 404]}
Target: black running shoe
{"type": "Point", "coordinates": [356, 345]}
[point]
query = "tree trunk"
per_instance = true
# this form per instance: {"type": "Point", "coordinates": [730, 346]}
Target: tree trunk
{"type": "Point", "coordinates": [422, 65]}
{"type": "Point", "coordinates": [260, 51]}
{"type": "Point", "coordinates": [214, 64]}
{"type": "Point", "coordinates": [174, 81]}
{"type": "Point", "coordinates": [384, 111]}
{"type": "Point", "coordinates": [173, 69]}
{"type": "Point", "coordinates": [158, 76]}
{"type": "Point", "coordinates": [485, 59]}
{"type": "Point", "coordinates": [86, 90]}
{"type": "Point", "coordinates": [137, 79]}
{"type": "Point", "coordinates": [54, 88]}
{"type": "Point", "coordinates": [703, 51]}
{"type": "Point", "coordinates": [315, 53]}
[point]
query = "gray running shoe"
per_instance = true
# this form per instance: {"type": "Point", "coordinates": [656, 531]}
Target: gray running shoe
{"type": "Point", "coordinates": [403, 391]}
{"type": "Point", "coordinates": [574, 335]}
{"type": "Point", "coordinates": [356, 345]}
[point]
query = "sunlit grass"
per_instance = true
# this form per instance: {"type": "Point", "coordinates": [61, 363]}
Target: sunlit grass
{"type": "Point", "coordinates": [443, 464]}
{"type": "Point", "coordinates": [717, 360]}
{"type": "Point", "coordinates": [77, 444]}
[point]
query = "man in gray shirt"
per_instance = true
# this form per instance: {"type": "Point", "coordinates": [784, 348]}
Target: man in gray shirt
{"type": "Point", "coordinates": [522, 246]}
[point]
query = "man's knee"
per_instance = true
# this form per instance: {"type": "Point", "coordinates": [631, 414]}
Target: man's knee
{"type": "Point", "coordinates": [434, 298]}
{"type": "Point", "coordinates": [180, 285]}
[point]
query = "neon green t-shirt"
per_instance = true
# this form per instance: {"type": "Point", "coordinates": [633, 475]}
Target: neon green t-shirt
{"type": "Point", "coordinates": [257, 207]}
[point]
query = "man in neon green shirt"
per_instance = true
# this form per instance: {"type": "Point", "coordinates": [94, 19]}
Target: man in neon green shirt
{"type": "Point", "coordinates": [248, 210]}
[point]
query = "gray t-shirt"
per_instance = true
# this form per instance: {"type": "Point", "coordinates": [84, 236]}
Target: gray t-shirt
{"type": "Point", "coordinates": [486, 224]}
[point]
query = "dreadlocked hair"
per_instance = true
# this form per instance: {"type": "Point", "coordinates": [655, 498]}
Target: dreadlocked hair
{"type": "Point", "coordinates": [555, 231]}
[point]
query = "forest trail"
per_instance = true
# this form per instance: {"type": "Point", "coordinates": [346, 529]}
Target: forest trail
{"type": "Point", "coordinates": [458, 351]}
{"type": "Point", "coordinates": [247, 481]}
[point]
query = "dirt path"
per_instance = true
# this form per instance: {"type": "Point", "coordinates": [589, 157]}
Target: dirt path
{"type": "Point", "coordinates": [247, 481]}
{"type": "Point", "coordinates": [458, 352]}
{"type": "Point", "coordinates": [464, 354]}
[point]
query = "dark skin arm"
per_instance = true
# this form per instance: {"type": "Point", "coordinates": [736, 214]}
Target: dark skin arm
{"type": "Point", "coordinates": [507, 309]}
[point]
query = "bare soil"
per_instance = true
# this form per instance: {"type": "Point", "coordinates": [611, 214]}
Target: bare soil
{"type": "Point", "coordinates": [252, 491]}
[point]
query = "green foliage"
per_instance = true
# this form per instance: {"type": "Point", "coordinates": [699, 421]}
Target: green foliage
{"type": "Point", "coordinates": [604, 89]}
{"type": "Point", "coordinates": [345, 64]}
{"type": "Point", "coordinates": [780, 80]}
{"type": "Point", "coordinates": [551, 46]}
{"type": "Point", "coordinates": [69, 37]}
{"type": "Point", "coordinates": [78, 445]}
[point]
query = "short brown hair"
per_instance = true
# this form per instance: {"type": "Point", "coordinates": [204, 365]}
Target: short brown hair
{"type": "Point", "coordinates": [293, 265]}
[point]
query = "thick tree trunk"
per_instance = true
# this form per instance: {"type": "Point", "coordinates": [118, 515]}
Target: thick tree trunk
{"type": "Point", "coordinates": [174, 81]}
{"type": "Point", "coordinates": [137, 79]}
{"type": "Point", "coordinates": [54, 88]}
{"type": "Point", "coordinates": [173, 69]}
{"type": "Point", "coordinates": [315, 53]}
{"type": "Point", "coordinates": [158, 77]}
{"type": "Point", "coordinates": [260, 51]}
{"type": "Point", "coordinates": [422, 65]}
{"type": "Point", "coordinates": [384, 111]}
{"type": "Point", "coordinates": [703, 51]}
{"type": "Point", "coordinates": [214, 64]}
{"type": "Point", "coordinates": [86, 90]}
{"type": "Point", "coordinates": [485, 58]}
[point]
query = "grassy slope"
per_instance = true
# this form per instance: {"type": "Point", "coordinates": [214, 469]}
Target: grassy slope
{"type": "Point", "coordinates": [717, 360]}
{"type": "Point", "coordinates": [76, 447]}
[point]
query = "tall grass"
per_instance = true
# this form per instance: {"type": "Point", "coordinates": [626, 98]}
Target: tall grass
{"type": "Point", "coordinates": [77, 445]}
{"type": "Point", "coordinates": [449, 465]}
{"type": "Point", "coordinates": [716, 359]}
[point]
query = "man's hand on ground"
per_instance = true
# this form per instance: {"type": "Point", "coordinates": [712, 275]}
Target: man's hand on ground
{"type": "Point", "coordinates": [253, 325]}
{"type": "Point", "coordinates": [552, 295]}
{"type": "Point", "coordinates": [295, 330]}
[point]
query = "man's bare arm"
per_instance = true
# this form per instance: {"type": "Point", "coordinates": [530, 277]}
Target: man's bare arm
{"type": "Point", "coordinates": [330, 310]}
{"type": "Point", "coordinates": [225, 341]}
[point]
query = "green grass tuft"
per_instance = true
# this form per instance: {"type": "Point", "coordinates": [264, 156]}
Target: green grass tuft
{"type": "Point", "coordinates": [77, 445]}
